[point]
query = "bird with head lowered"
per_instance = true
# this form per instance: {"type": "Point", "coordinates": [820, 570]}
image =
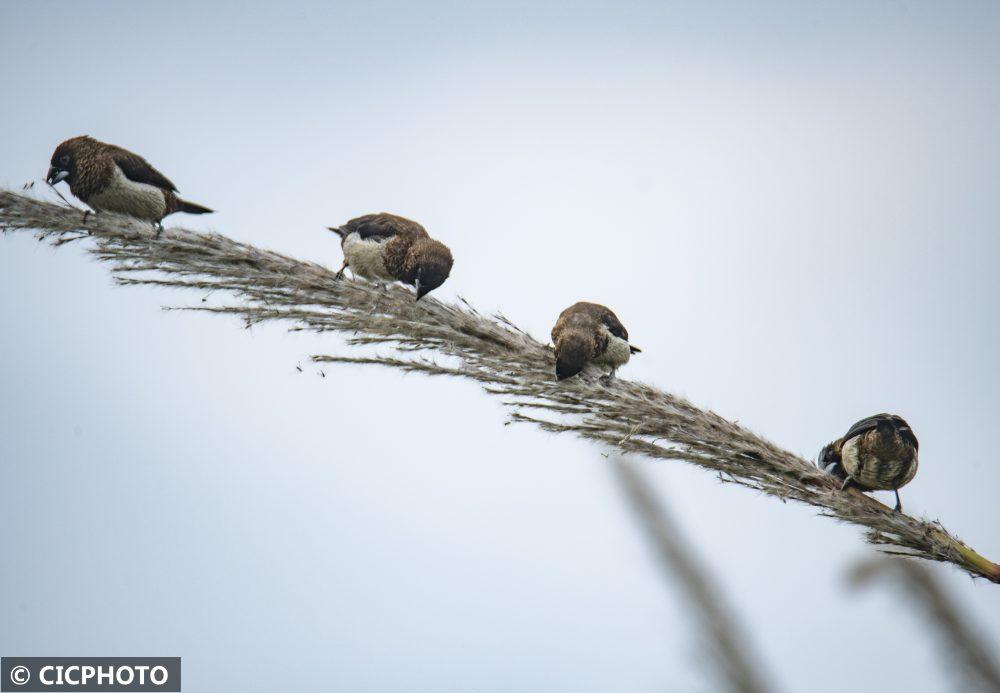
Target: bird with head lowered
{"type": "Point", "coordinates": [876, 453]}
{"type": "Point", "coordinates": [387, 247]}
{"type": "Point", "coordinates": [589, 333]}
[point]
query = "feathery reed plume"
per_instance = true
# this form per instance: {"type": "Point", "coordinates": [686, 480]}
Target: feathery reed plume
{"type": "Point", "coordinates": [631, 416]}
{"type": "Point", "coordinates": [727, 642]}
{"type": "Point", "coordinates": [967, 650]}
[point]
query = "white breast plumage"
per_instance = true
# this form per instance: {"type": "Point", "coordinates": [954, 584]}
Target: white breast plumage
{"type": "Point", "coordinates": [125, 196]}
{"type": "Point", "coordinates": [617, 353]}
{"type": "Point", "coordinates": [364, 257]}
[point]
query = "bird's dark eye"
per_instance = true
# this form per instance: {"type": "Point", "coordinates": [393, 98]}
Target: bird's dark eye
{"type": "Point", "coordinates": [64, 159]}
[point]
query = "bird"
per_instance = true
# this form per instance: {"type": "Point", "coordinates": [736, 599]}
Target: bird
{"type": "Point", "coordinates": [590, 333]}
{"type": "Point", "coordinates": [387, 247]}
{"type": "Point", "coordinates": [878, 453]}
{"type": "Point", "coordinates": [109, 178]}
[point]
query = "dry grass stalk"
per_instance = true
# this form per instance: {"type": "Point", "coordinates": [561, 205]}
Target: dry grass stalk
{"type": "Point", "coordinates": [506, 361]}
{"type": "Point", "coordinates": [968, 652]}
{"type": "Point", "coordinates": [729, 645]}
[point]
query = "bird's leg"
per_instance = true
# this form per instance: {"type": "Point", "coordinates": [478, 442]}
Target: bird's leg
{"type": "Point", "coordinates": [86, 214]}
{"type": "Point", "coordinates": [158, 227]}
{"type": "Point", "coordinates": [899, 503]}
{"type": "Point", "coordinates": [609, 377]}
{"type": "Point", "coordinates": [340, 272]}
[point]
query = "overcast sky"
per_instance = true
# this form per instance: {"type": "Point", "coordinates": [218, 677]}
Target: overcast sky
{"type": "Point", "coordinates": [792, 207]}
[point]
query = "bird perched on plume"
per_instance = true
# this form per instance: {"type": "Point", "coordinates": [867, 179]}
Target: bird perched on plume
{"type": "Point", "coordinates": [877, 453]}
{"type": "Point", "coordinates": [386, 247]}
{"type": "Point", "coordinates": [109, 178]}
{"type": "Point", "coordinates": [590, 333]}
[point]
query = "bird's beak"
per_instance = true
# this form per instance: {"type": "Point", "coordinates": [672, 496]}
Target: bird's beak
{"type": "Point", "coordinates": [564, 371]}
{"type": "Point", "coordinates": [55, 175]}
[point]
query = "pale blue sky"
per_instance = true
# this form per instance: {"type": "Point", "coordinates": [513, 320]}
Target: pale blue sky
{"type": "Point", "coordinates": [792, 206]}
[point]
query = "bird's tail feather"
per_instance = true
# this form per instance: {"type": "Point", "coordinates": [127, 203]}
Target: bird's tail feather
{"type": "Point", "coordinates": [337, 230]}
{"type": "Point", "coordinates": [191, 207]}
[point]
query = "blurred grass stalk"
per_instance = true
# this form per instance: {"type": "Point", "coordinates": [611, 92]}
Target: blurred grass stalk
{"type": "Point", "coordinates": [629, 416]}
{"type": "Point", "coordinates": [730, 647]}
{"type": "Point", "coordinates": [968, 653]}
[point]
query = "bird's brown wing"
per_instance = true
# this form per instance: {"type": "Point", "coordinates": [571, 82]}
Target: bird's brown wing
{"type": "Point", "coordinates": [382, 226]}
{"type": "Point", "coordinates": [603, 315]}
{"type": "Point", "coordinates": [865, 425]}
{"type": "Point", "coordinates": [138, 169]}
{"type": "Point", "coordinates": [613, 324]}
{"type": "Point", "coordinates": [872, 422]}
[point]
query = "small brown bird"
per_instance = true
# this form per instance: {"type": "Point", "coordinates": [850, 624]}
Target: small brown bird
{"type": "Point", "coordinates": [878, 453]}
{"type": "Point", "coordinates": [109, 178]}
{"type": "Point", "coordinates": [386, 247]}
{"type": "Point", "coordinates": [590, 333]}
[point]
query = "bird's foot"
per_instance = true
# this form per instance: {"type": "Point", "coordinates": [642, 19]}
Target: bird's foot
{"type": "Point", "coordinates": [848, 483]}
{"type": "Point", "coordinates": [158, 228]}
